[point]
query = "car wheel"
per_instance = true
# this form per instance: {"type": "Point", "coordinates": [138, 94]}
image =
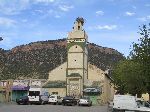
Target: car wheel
{"type": "Point", "coordinates": [21, 103]}
{"type": "Point", "coordinates": [42, 102]}
{"type": "Point", "coordinates": [73, 104]}
{"type": "Point", "coordinates": [89, 105]}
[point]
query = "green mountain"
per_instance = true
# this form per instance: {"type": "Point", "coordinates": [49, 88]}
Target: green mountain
{"type": "Point", "coordinates": [36, 59]}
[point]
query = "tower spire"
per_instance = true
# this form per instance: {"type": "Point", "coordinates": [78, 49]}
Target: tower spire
{"type": "Point", "coordinates": [78, 24]}
{"type": "Point", "coordinates": [78, 31]}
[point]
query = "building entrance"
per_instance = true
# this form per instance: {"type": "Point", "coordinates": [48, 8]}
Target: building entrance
{"type": "Point", "coordinates": [74, 87]}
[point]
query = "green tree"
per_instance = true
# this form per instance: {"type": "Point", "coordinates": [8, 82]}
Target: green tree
{"type": "Point", "coordinates": [1, 59]}
{"type": "Point", "coordinates": [1, 38]}
{"type": "Point", "coordinates": [133, 74]}
{"type": "Point", "coordinates": [141, 53]}
{"type": "Point", "coordinates": [127, 77]}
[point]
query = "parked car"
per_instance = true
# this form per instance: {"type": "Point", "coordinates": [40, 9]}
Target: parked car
{"type": "Point", "coordinates": [44, 99]}
{"type": "Point", "coordinates": [55, 99]}
{"type": "Point", "coordinates": [69, 100]}
{"type": "Point", "coordinates": [37, 96]}
{"type": "Point", "coordinates": [85, 101]}
{"type": "Point", "coordinates": [22, 100]}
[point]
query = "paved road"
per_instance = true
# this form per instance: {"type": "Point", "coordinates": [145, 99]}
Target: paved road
{"type": "Point", "coordinates": [50, 108]}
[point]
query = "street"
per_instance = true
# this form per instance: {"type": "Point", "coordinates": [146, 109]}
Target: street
{"type": "Point", "coordinates": [50, 108]}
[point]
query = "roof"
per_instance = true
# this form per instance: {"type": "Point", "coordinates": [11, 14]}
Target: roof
{"type": "Point", "coordinates": [74, 75]}
{"type": "Point", "coordinates": [20, 87]}
{"type": "Point", "coordinates": [55, 84]}
{"type": "Point", "coordinates": [35, 86]}
{"type": "Point", "coordinates": [91, 90]}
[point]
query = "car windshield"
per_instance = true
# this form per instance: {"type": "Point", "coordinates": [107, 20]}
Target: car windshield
{"type": "Point", "coordinates": [85, 97]}
{"type": "Point", "coordinates": [58, 97]}
{"type": "Point", "coordinates": [24, 97]}
{"type": "Point", "coordinates": [68, 97]}
{"type": "Point", "coordinates": [52, 96]}
{"type": "Point", "coordinates": [140, 103]}
{"type": "Point", "coordinates": [34, 93]}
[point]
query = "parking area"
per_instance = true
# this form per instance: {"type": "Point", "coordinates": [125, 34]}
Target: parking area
{"type": "Point", "coordinates": [50, 108]}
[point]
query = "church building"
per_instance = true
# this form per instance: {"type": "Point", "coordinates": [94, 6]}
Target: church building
{"type": "Point", "coordinates": [77, 77]}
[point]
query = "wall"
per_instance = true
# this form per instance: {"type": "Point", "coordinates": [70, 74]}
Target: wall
{"type": "Point", "coordinates": [75, 60]}
{"type": "Point", "coordinates": [58, 73]}
{"type": "Point", "coordinates": [61, 91]}
{"type": "Point", "coordinates": [109, 90]}
{"type": "Point", "coordinates": [76, 34]}
{"type": "Point", "coordinates": [96, 74]}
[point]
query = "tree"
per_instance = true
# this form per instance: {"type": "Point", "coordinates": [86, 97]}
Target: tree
{"type": "Point", "coordinates": [1, 60]}
{"type": "Point", "coordinates": [141, 53]}
{"type": "Point", "coordinates": [1, 38]}
{"type": "Point", "coordinates": [127, 77]}
{"type": "Point", "coordinates": [132, 75]}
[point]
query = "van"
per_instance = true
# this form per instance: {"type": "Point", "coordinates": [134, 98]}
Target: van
{"type": "Point", "coordinates": [127, 103]}
{"type": "Point", "coordinates": [55, 99]}
{"type": "Point", "coordinates": [37, 96]}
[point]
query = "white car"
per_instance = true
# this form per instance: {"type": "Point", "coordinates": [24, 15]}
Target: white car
{"type": "Point", "coordinates": [37, 96]}
{"type": "Point", "coordinates": [55, 99]}
{"type": "Point", "coordinates": [85, 101]}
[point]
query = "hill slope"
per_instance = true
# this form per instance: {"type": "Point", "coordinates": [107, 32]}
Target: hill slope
{"type": "Point", "coordinates": [36, 59]}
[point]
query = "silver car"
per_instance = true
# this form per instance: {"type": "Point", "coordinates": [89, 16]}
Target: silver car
{"type": "Point", "coordinates": [85, 101]}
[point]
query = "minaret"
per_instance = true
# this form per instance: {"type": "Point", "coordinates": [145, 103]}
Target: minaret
{"type": "Point", "coordinates": [77, 61]}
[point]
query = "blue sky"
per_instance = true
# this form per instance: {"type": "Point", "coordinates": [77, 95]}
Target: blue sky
{"type": "Point", "coordinates": [109, 23]}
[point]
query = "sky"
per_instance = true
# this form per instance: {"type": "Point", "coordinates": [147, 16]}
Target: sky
{"type": "Point", "coordinates": [108, 23]}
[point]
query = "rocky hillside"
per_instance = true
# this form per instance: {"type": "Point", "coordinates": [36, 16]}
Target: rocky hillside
{"type": "Point", "coordinates": [36, 59]}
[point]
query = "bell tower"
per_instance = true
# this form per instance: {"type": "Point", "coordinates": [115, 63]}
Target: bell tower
{"type": "Point", "coordinates": [77, 60]}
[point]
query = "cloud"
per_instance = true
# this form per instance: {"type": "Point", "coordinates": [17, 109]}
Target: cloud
{"type": "Point", "coordinates": [7, 43]}
{"type": "Point", "coordinates": [65, 8]}
{"type": "Point", "coordinates": [57, 16]}
{"type": "Point", "coordinates": [24, 20]}
{"type": "Point", "coordinates": [13, 7]}
{"type": "Point", "coordinates": [148, 17]}
{"type": "Point", "coordinates": [39, 11]}
{"type": "Point", "coordinates": [147, 5]}
{"type": "Point", "coordinates": [43, 1]}
{"type": "Point", "coordinates": [130, 13]}
{"type": "Point", "coordinates": [99, 13]}
{"type": "Point", "coordinates": [54, 13]}
{"type": "Point", "coordinates": [143, 19]}
{"type": "Point", "coordinates": [134, 7]}
{"type": "Point", "coordinates": [103, 27]}
{"type": "Point", "coordinates": [7, 22]}
{"type": "Point", "coordinates": [107, 27]}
